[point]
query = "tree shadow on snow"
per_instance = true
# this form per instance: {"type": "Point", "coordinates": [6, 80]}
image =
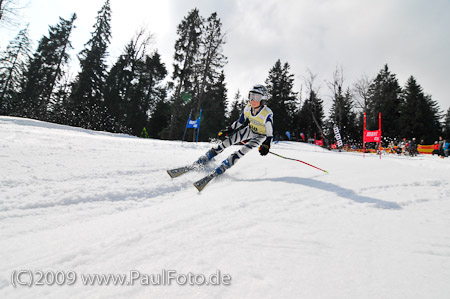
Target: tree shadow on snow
{"type": "Point", "coordinates": [338, 190]}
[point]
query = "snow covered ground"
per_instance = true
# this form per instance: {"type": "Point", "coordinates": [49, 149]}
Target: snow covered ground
{"type": "Point", "coordinates": [83, 202]}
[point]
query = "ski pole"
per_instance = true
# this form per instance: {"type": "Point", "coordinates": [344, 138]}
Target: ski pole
{"type": "Point", "coordinates": [293, 160]}
{"type": "Point", "coordinates": [298, 161]}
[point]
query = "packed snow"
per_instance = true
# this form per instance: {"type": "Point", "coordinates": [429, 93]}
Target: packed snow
{"type": "Point", "coordinates": [80, 202]}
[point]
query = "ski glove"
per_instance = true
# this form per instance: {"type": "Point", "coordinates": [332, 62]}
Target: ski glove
{"type": "Point", "coordinates": [225, 133]}
{"type": "Point", "coordinates": [265, 147]}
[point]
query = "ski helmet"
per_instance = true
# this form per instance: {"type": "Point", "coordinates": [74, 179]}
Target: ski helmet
{"type": "Point", "coordinates": [259, 90]}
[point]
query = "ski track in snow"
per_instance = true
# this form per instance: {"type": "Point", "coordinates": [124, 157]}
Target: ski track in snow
{"type": "Point", "coordinates": [95, 202]}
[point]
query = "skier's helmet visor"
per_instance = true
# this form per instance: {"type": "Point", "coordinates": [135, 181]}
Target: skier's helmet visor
{"type": "Point", "coordinates": [253, 96]}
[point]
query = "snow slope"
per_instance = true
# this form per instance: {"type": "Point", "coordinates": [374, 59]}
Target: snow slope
{"type": "Point", "coordinates": [100, 203]}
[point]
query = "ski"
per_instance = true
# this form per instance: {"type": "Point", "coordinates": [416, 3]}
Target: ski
{"type": "Point", "coordinates": [200, 184]}
{"type": "Point", "coordinates": [176, 172]}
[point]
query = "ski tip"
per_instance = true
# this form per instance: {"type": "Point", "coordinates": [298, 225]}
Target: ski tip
{"type": "Point", "coordinates": [203, 182]}
{"type": "Point", "coordinates": [199, 187]}
{"type": "Point", "coordinates": [173, 173]}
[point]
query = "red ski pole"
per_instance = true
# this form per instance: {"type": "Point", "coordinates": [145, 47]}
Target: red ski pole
{"type": "Point", "coordinates": [293, 160]}
{"type": "Point", "coordinates": [298, 161]}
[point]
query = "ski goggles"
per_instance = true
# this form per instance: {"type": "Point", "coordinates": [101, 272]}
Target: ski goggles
{"type": "Point", "coordinates": [257, 97]}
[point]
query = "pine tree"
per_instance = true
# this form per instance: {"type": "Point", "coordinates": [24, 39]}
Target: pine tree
{"type": "Point", "coordinates": [12, 67]}
{"type": "Point", "coordinates": [281, 96]}
{"type": "Point", "coordinates": [213, 116]}
{"type": "Point", "coordinates": [59, 109]}
{"type": "Point", "coordinates": [45, 69]}
{"type": "Point", "coordinates": [153, 76]}
{"type": "Point", "coordinates": [311, 114]}
{"type": "Point", "coordinates": [147, 91]}
{"type": "Point", "coordinates": [133, 86]}
{"type": "Point", "coordinates": [446, 127]}
{"type": "Point", "coordinates": [419, 113]}
{"type": "Point", "coordinates": [160, 120]}
{"type": "Point", "coordinates": [433, 116]}
{"type": "Point", "coordinates": [117, 86]}
{"type": "Point", "coordinates": [341, 112]}
{"type": "Point", "coordinates": [186, 55]}
{"type": "Point", "coordinates": [237, 106]}
{"type": "Point", "coordinates": [384, 97]}
{"type": "Point", "coordinates": [86, 100]}
{"type": "Point", "coordinates": [211, 60]}
{"type": "Point", "coordinates": [121, 84]}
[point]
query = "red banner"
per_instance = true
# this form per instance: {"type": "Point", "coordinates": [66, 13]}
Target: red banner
{"type": "Point", "coordinates": [425, 149]}
{"type": "Point", "coordinates": [372, 136]}
{"type": "Point", "coordinates": [318, 142]}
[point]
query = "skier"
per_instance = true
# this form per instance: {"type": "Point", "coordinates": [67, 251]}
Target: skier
{"type": "Point", "coordinates": [258, 132]}
{"type": "Point", "coordinates": [254, 126]}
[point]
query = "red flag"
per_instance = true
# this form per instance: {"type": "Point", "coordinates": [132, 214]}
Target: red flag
{"type": "Point", "coordinates": [303, 136]}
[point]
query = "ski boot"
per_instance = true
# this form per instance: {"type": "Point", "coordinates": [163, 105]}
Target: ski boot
{"type": "Point", "coordinates": [204, 159]}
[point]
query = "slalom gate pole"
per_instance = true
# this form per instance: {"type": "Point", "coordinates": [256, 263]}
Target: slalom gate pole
{"type": "Point", "coordinates": [293, 159]}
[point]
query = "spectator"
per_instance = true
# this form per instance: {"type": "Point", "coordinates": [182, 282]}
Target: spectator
{"type": "Point", "coordinates": [413, 148]}
{"type": "Point", "coordinates": [392, 147]}
{"type": "Point", "coordinates": [435, 149]}
{"type": "Point", "coordinates": [441, 146]}
{"type": "Point", "coordinates": [446, 148]}
{"type": "Point", "coordinates": [403, 146]}
{"type": "Point", "coordinates": [399, 148]}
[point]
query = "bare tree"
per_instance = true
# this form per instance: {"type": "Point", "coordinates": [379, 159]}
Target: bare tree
{"type": "Point", "coordinates": [309, 82]}
{"type": "Point", "coordinates": [361, 92]}
{"type": "Point", "coordinates": [337, 97]}
{"type": "Point", "coordinates": [10, 12]}
{"type": "Point", "coordinates": [300, 99]}
{"type": "Point", "coordinates": [1, 8]}
{"type": "Point", "coordinates": [336, 86]}
{"type": "Point", "coordinates": [316, 104]}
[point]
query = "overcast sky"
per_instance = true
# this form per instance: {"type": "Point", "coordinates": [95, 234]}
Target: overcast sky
{"type": "Point", "coordinates": [411, 36]}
